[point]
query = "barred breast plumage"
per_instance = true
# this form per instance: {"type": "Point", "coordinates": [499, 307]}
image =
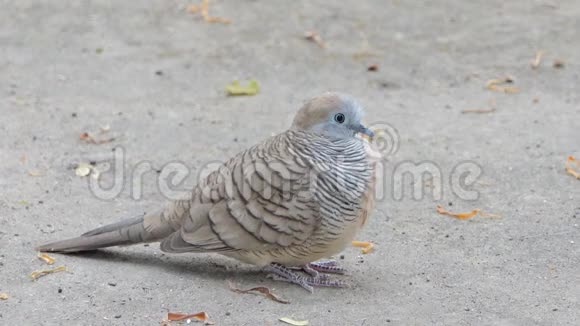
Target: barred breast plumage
{"type": "Point", "coordinates": [292, 199]}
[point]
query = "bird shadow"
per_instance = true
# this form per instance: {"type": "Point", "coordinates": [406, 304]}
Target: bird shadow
{"type": "Point", "coordinates": [206, 266]}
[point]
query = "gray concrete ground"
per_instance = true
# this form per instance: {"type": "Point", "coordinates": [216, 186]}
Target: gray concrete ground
{"type": "Point", "coordinates": [156, 75]}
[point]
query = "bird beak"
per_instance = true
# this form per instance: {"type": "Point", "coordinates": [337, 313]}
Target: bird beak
{"type": "Point", "coordinates": [365, 131]}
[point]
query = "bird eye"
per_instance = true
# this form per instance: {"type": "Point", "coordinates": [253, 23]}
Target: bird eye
{"type": "Point", "coordinates": [339, 117]}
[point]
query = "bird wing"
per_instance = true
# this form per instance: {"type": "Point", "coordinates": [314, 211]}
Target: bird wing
{"type": "Point", "coordinates": [258, 200]}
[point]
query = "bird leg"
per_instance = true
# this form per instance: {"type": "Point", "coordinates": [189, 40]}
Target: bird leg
{"type": "Point", "coordinates": [327, 266]}
{"type": "Point", "coordinates": [282, 273]}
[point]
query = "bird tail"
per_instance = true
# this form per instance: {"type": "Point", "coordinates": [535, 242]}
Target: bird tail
{"type": "Point", "coordinates": [147, 228]}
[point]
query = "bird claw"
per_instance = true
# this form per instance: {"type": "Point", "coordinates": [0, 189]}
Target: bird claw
{"type": "Point", "coordinates": [299, 280]}
{"type": "Point", "coordinates": [279, 272]}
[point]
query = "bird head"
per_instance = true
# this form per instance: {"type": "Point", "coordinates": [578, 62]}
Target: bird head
{"type": "Point", "coordinates": [332, 114]}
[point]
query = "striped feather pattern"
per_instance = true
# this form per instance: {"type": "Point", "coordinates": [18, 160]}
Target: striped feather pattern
{"type": "Point", "coordinates": [292, 199]}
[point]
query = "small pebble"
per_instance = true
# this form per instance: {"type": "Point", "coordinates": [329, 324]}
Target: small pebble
{"type": "Point", "coordinates": [558, 64]}
{"type": "Point", "coordinates": [112, 284]}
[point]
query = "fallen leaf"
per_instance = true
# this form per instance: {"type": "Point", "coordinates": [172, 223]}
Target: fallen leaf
{"type": "Point", "coordinates": [84, 136]}
{"type": "Point", "coordinates": [83, 169]}
{"type": "Point", "coordinates": [569, 169]}
{"type": "Point", "coordinates": [216, 19]}
{"type": "Point", "coordinates": [558, 64]}
{"type": "Point", "coordinates": [194, 9]}
{"type": "Point", "coordinates": [35, 173]}
{"type": "Point", "coordinates": [464, 215]}
{"type": "Point", "coordinates": [47, 259]}
{"type": "Point", "coordinates": [314, 37]}
{"type": "Point", "coordinates": [499, 85]}
{"type": "Point", "coordinates": [88, 138]}
{"type": "Point", "coordinates": [536, 99]}
{"type": "Point", "coordinates": [4, 296]}
{"type": "Point", "coordinates": [294, 322]}
{"type": "Point", "coordinates": [365, 245]}
{"type": "Point", "coordinates": [23, 202]}
{"type": "Point", "coordinates": [484, 214]}
{"type": "Point", "coordinates": [104, 129]}
{"type": "Point", "coordinates": [475, 110]}
{"type": "Point", "coordinates": [373, 67]}
{"type": "Point", "coordinates": [235, 89]}
{"type": "Point", "coordinates": [203, 9]}
{"type": "Point", "coordinates": [38, 274]}
{"type": "Point", "coordinates": [535, 63]}
{"type": "Point", "coordinates": [175, 316]}
{"type": "Point", "coordinates": [261, 289]}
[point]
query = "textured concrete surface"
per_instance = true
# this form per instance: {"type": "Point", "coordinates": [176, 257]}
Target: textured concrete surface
{"type": "Point", "coordinates": [155, 74]}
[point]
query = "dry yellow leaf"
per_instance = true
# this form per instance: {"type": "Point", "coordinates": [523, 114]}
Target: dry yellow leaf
{"type": "Point", "coordinates": [35, 173]}
{"type": "Point", "coordinates": [193, 9]}
{"type": "Point", "coordinates": [569, 169]}
{"type": "Point", "coordinates": [235, 89]}
{"type": "Point", "coordinates": [47, 259]}
{"type": "Point", "coordinates": [4, 296]}
{"type": "Point", "coordinates": [88, 138]}
{"type": "Point", "coordinates": [38, 274]}
{"type": "Point", "coordinates": [483, 214]}
{"type": "Point", "coordinates": [365, 245]}
{"type": "Point", "coordinates": [462, 216]}
{"type": "Point", "coordinates": [535, 63]}
{"type": "Point", "coordinates": [314, 37]}
{"type": "Point", "coordinates": [203, 9]}
{"type": "Point", "coordinates": [499, 85]}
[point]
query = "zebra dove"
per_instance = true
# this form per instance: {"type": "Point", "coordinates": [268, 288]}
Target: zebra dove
{"type": "Point", "coordinates": [283, 204]}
